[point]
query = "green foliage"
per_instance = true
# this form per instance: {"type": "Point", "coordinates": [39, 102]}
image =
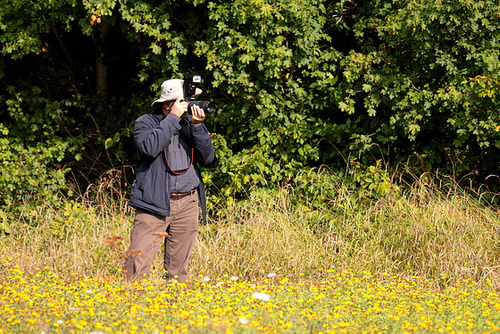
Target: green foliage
{"type": "Point", "coordinates": [162, 46]}
{"type": "Point", "coordinates": [327, 195]}
{"type": "Point", "coordinates": [423, 79]}
{"type": "Point", "coordinates": [26, 175]}
{"type": "Point", "coordinates": [4, 223]}
{"type": "Point", "coordinates": [74, 218]}
{"type": "Point", "coordinates": [271, 61]}
{"type": "Point", "coordinates": [296, 84]}
{"type": "Point", "coordinates": [372, 178]}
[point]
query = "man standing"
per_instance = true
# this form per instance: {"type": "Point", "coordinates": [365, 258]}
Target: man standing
{"type": "Point", "coordinates": [168, 189]}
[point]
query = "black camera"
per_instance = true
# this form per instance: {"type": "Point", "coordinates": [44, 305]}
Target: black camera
{"type": "Point", "coordinates": [189, 88]}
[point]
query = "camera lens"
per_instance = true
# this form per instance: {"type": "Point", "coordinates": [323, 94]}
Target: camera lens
{"type": "Point", "coordinates": [207, 106]}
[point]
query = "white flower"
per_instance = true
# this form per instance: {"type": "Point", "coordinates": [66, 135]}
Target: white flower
{"type": "Point", "coordinates": [261, 296]}
{"type": "Point", "coordinates": [88, 291]}
{"type": "Point", "coordinates": [233, 278]}
{"type": "Point", "coordinates": [219, 284]}
{"type": "Point", "coordinates": [271, 275]}
{"type": "Point", "coordinates": [60, 322]}
{"type": "Point", "coordinates": [206, 279]}
{"type": "Point", "coordinates": [243, 321]}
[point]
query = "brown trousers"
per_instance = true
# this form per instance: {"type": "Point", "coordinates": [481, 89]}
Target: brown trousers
{"type": "Point", "coordinates": [148, 232]}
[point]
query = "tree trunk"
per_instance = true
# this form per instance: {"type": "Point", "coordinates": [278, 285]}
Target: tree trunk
{"type": "Point", "coordinates": [100, 41]}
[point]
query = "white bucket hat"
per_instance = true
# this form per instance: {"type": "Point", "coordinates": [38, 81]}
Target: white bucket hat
{"type": "Point", "coordinates": [172, 90]}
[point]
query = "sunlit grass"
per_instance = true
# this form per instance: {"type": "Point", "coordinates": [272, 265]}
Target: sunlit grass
{"type": "Point", "coordinates": [331, 259]}
{"type": "Point", "coordinates": [419, 230]}
{"type": "Point", "coordinates": [343, 303]}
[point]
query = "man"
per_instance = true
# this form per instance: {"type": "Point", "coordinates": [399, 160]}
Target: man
{"type": "Point", "coordinates": [168, 189]}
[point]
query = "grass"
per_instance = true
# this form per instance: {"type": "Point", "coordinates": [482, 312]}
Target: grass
{"type": "Point", "coordinates": [330, 258]}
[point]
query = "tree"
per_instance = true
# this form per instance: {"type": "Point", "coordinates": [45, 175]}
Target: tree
{"type": "Point", "coordinates": [272, 62]}
{"type": "Point", "coordinates": [296, 84]}
{"type": "Point", "coordinates": [421, 81]}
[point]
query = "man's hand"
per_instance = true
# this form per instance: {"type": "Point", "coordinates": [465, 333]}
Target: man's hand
{"type": "Point", "coordinates": [198, 114]}
{"type": "Point", "coordinates": [180, 108]}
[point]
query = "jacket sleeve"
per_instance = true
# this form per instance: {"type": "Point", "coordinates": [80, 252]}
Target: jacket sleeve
{"type": "Point", "coordinates": [151, 135]}
{"type": "Point", "coordinates": [205, 152]}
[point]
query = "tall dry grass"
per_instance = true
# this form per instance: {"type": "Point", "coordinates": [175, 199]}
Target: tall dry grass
{"type": "Point", "coordinates": [71, 239]}
{"type": "Point", "coordinates": [420, 229]}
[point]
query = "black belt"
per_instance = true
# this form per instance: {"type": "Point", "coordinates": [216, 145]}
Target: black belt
{"type": "Point", "coordinates": [179, 196]}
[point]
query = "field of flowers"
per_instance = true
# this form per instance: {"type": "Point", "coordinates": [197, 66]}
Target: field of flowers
{"type": "Point", "coordinates": [423, 260]}
{"type": "Point", "coordinates": [45, 302]}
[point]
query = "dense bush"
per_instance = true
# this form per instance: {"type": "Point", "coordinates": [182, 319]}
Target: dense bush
{"type": "Point", "coordinates": [297, 84]}
{"type": "Point", "coordinates": [422, 81]}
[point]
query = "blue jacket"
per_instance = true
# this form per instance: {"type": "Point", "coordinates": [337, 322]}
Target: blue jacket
{"type": "Point", "coordinates": [152, 133]}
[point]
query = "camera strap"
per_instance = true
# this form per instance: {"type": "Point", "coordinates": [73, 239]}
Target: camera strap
{"type": "Point", "coordinates": [182, 170]}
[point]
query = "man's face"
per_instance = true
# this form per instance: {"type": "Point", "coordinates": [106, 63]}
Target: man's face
{"type": "Point", "coordinates": [167, 106]}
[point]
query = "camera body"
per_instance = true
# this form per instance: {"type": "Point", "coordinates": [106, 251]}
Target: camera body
{"type": "Point", "coordinates": [189, 88]}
